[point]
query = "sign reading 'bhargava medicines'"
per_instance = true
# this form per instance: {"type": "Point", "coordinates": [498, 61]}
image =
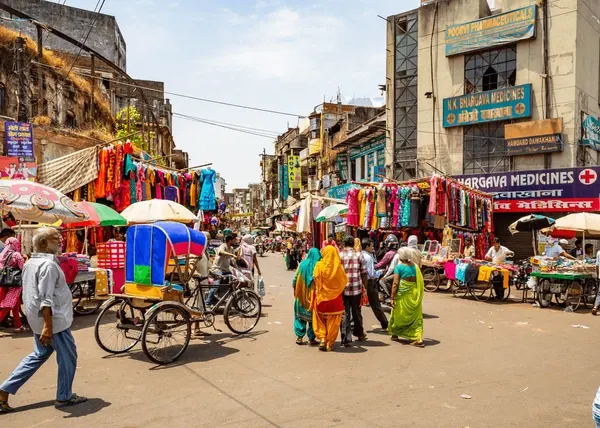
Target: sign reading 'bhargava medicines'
{"type": "Point", "coordinates": [496, 30]}
{"type": "Point", "coordinates": [489, 106]}
{"type": "Point", "coordinates": [558, 190]}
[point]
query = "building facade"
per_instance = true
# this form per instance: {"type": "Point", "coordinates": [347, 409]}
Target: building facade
{"type": "Point", "coordinates": [505, 100]}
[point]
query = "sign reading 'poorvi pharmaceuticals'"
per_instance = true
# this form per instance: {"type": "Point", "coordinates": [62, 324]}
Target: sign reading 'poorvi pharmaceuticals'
{"type": "Point", "coordinates": [496, 30]}
{"type": "Point", "coordinates": [489, 106]}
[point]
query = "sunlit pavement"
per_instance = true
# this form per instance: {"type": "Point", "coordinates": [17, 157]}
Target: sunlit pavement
{"type": "Point", "coordinates": [521, 366]}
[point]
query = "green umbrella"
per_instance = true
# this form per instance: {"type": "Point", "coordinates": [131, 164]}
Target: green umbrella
{"type": "Point", "coordinates": [331, 212]}
{"type": "Point", "coordinates": [99, 215]}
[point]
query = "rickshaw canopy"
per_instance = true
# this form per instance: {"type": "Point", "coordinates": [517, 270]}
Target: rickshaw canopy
{"type": "Point", "coordinates": [149, 247]}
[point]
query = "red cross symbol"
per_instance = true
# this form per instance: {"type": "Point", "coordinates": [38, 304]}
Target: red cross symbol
{"type": "Point", "coordinates": [520, 108]}
{"type": "Point", "coordinates": [588, 176]}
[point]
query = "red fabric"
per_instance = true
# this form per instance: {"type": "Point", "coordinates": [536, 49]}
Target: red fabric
{"type": "Point", "coordinates": [331, 306]}
{"type": "Point", "coordinates": [10, 297]}
{"type": "Point", "coordinates": [15, 314]}
{"type": "Point", "coordinates": [69, 267]}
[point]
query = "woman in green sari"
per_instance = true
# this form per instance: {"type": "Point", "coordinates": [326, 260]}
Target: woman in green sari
{"type": "Point", "coordinates": [303, 291]}
{"type": "Point", "coordinates": [407, 300]}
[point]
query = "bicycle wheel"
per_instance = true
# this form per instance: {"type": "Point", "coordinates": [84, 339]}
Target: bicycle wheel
{"type": "Point", "coordinates": [573, 295]}
{"type": "Point", "coordinates": [504, 297]}
{"type": "Point", "coordinates": [481, 294]}
{"type": "Point", "coordinates": [242, 311]}
{"type": "Point", "coordinates": [166, 334]}
{"type": "Point", "coordinates": [590, 291]}
{"type": "Point", "coordinates": [118, 327]}
{"type": "Point", "coordinates": [84, 298]}
{"type": "Point", "coordinates": [431, 279]}
{"type": "Point", "coordinates": [542, 293]}
{"type": "Point", "coordinates": [458, 289]}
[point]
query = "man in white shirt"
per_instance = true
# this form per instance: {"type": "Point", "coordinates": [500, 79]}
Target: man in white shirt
{"type": "Point", "coordinates": [557, 249]}
{"type": "Point", "coordinates": [498, 254]}
{"type": "Point", "coordinates": [49, 309]}
{"type": "Point", "coordinates": [373, 276]}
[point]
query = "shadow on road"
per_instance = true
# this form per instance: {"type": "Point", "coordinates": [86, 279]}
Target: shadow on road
{"type": "Point", "coordinates": [93, 405]}
{"type": "Point", "coordinates": [430, 316]}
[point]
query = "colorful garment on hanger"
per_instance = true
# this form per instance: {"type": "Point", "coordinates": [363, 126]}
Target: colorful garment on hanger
{"type": "Point", "coordinates": [353, 210]}
{"type": "Point", "coordinates": [207, 195]}
{"type": "Point", "coordinates": [362, 207]}
{"type": "Point", "coordinates": [172, 193]}
{"type": "Point", "coordinates": [102, 167]}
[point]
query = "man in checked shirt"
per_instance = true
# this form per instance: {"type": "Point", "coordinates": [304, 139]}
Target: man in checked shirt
{"type": "Point", "coordinates": [356, 270]}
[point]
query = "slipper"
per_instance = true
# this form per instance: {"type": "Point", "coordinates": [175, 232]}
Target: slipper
{"type": "Point", "coordinates": [74, 400]}
{"type": "Point", "coordinates": [200, 333]}
{"type": "Point", "coordinates": [21, 330]}
{"type": "Point", "coordinates": [418, 344]}
{"type": "Point", "coordinates": [4, 407]}
{"type": "Point", "coordinates": [299, 341]}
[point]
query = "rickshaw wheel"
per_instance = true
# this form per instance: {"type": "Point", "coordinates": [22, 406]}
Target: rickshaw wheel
{"type": "Point", "coordinates": [118, 326]}
{"type": "Point", "coordinates": [458, 290]}
{"type": "Point", "coordinates": [573, 295]}
{"type": "Point", "coordinates": [430, 277]}
{"type": "Point", "coordinates": [242, 311]}
{"type": "Point", "coordinates": [84, 299]}
{"type": "Point", "coordinates": [166, 334]}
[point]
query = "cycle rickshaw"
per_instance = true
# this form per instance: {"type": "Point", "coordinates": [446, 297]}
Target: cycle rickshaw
{"type": "Point", "coordinates": [160, 261]}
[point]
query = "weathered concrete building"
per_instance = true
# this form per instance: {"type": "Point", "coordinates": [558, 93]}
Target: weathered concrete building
{"type": "Point", "coordinates": [105, 36]}
{"type": "Point", "coordinates": [505, 99]}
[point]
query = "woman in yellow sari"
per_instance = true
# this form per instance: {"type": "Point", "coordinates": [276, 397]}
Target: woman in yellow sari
{"type": "Point", "coordinates": [328, 306]}
{"type": "Point", "coordinates": [407, 300]}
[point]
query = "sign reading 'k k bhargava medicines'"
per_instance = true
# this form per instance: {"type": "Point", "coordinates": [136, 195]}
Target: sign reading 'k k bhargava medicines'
{"type": "Point", "coordinates": [496, 30]}
{"type": "Point", "coordinates": [489, 106]}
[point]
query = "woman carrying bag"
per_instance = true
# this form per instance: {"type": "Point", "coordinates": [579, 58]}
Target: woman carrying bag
{"type": "Point", "coordinates": [11, 260]}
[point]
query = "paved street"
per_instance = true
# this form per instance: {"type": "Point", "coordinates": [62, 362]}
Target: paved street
{"type": "Point", "coordinates": [522, 367]}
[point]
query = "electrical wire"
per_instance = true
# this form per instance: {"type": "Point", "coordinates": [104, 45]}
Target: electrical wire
{"type": "Point", "coordinates": [232, 128]}
{"type": "Point", "coordinates": [207, 100]}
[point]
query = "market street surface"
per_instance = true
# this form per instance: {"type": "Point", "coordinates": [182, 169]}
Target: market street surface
{"type": "Point", "coordinates": [520, 366]}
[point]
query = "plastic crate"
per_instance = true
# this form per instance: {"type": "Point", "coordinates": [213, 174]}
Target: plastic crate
{"type": "Point", "coordinates": [111, 255]}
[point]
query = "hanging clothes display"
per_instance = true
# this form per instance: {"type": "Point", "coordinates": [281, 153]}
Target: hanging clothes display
{"type": "Point", "coordinates": [208, 178]}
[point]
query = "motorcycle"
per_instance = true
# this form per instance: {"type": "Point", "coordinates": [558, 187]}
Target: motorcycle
{"type": "Point", "coordinates": [524, 271]}
{"type": "Point", "coordinates": [260, 250]}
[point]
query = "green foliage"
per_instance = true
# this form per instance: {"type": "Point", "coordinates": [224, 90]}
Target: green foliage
{"type": "Point", "coordinates": [140, 140]}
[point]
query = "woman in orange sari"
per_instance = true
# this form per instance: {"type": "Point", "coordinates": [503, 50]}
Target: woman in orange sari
{"type": "Point", "coordinates": [328, 306]}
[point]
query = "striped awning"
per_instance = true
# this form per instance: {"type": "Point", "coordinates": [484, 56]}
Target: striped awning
{"type": "Point", "coordinates": [70, 172]}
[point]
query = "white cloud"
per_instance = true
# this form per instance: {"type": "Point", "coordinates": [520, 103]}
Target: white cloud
{"type": "Point", "coordinates": [284, 44]}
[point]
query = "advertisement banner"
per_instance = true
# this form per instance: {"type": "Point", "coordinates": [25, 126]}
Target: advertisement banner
{"type": "Point", "coordinates": [496, 30]}
{"type": "Point", "coordinates": [19, 140]}
{"type": "Point", "coordinates": [294, 172]}
{"type": "Point", "coordinates": [532, 138]}
{"type": "Point", "coordinates": [591, 133]}
{"type": "Point", "coordinates": [489, 106]}
{"type": "Point", "coordinates": [342, 163]}
{"type": "Point", "coordinates": [557, 190]}
{"type": "Point", "coordinates": [11, 168]}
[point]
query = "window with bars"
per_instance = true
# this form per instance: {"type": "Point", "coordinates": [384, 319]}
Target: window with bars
{"type": "Point", "coordinates": [405, 96]}
{"type": "Point", "coordinates": [484, 147]}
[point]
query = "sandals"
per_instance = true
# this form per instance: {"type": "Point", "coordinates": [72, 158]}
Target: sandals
{"type": "Point", "coordinates": [5, 408]}
{"type": "Point", "coordinates": [200, 333]}
{"type": "Point", "coordinates": [418, 344]}
{"type": "Point", "coordinates": [21, 329]}
{"type": "Point", "coordinates": [299, 341]}
{"type": "Point", "coordinates": [74, 400]}
{"type": "Point", "coordinates": [314, 343]}
{"type": "Point", "coordinates": [322, 347]}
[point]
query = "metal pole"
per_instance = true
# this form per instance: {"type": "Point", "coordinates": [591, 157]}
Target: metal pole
{"type": "Point", "coordinates": [92, 84]}
{"type": "Point", "coordinates": [22, 111]}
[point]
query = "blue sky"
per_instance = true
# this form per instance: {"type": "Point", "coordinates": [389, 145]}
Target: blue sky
{"type": "Point", "coordinates": [275, 54]}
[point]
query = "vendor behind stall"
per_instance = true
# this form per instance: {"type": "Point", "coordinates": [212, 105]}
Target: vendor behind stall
{"type": "Point", "coordinates": [469, 251]}
{"type": "Point", "coordinates": [498, 254]}
{"type": "Point", "coordinates": [577, 252]}
{"type": "Point", "coordinates": [556, 250]}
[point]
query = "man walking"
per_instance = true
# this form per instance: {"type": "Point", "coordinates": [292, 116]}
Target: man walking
{"type": "Point", "coordinates": [372, 281]}
{"type": "Point", "coordinates": [49, 310]}
{"type": "Point", "coordinates": [356, 271]}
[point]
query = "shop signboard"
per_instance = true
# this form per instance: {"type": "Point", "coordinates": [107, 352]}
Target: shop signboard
{"type": "Point", "coordinates": [591, 132]}
{"type": "Point", "coordinates": [488, 106]}
{"type": "Point", "coordinates": [495, 30]}
{"type": "Point", "coordinates": [19, 140]}
{"type": "Point", "coordinates": [342, 162]}
{"type": "Point", "coordinates": [294, 172]}
{"type": "Point", "coordinates": [339, 192]}
{"type": "Point", "coordinates": [556, 190]}
{"type": "Point", "coordinates": [284, 190]}
{"type": "Point", "coordinates": [532, 138]}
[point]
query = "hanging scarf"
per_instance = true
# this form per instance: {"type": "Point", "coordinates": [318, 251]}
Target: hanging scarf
{"type": "Point", "coordinates": [330, 277]}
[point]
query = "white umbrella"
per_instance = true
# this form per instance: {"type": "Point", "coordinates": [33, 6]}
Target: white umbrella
{"type": "Point", "coordinates": [157, 210]}
{"type": "Point", "coordinates": [587, 223]}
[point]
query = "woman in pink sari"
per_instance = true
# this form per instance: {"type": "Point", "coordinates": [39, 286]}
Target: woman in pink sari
{"type": "Point", "coordinates": [10, 297]}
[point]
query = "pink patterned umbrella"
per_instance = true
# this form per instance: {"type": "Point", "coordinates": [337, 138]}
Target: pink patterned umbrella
{"type": "Point", "coordinates": [29, 201]}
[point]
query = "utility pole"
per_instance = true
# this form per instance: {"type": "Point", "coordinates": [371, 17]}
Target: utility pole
{"type": "Point", "coordinates": [92, 84]}
{"type": "Point", "coordinates": [22, 111]}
